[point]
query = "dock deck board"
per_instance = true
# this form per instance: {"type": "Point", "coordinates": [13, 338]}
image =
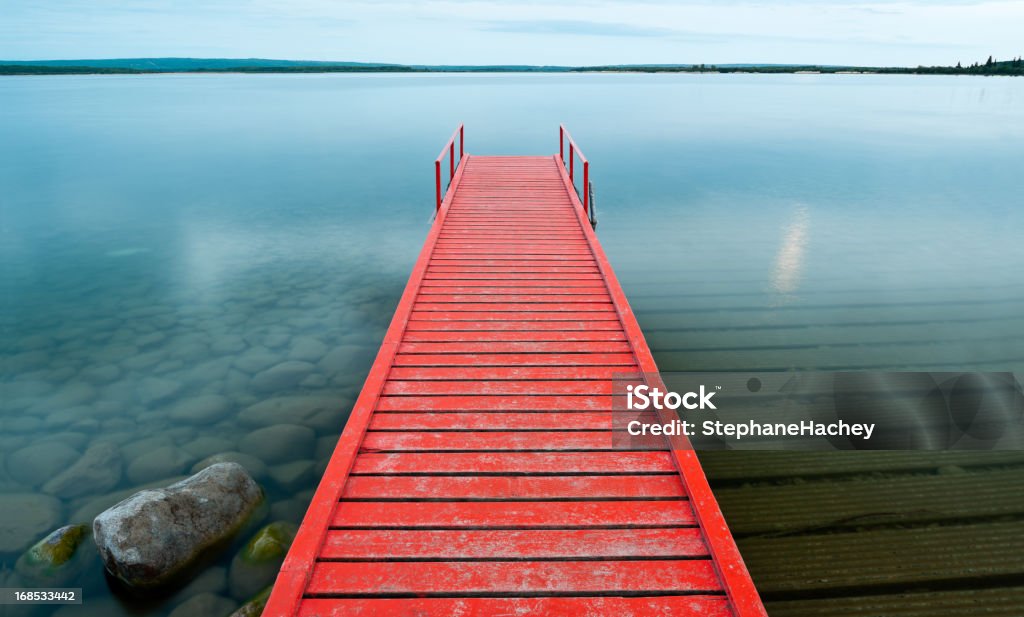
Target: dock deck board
{"type": "Point", "coordinates": [476, 475]}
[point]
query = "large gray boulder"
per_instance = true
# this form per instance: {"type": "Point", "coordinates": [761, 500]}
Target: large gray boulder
{"type": "Point", "coordinates": [155, 535]}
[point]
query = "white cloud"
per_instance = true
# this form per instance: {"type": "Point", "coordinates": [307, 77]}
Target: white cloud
{"type": "Point", "coordinates": [540, 32]}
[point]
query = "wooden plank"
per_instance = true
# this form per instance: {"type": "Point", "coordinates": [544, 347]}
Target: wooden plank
{"type": "Point", "coordinates": [663, 606]}
{"type": "Point", "coordinates": [515, 544]}
{"type": "Point", "coordinates": [743, 466]}
{"type": "Point", "coordinates": [587, 514]}
{"type": "Point", "coordinates": [490, 373]}
{"type": "Point", "coordinates": [498, 336]}
{"type": "Point", "coordinates": [494, 298]}
{"type": "Point", "coordinates": [496, 403]}
{"type": "Point", "coordinates": [525, 359]}
{"type": "Point", "coordinates": [932, 556]}
{"type": "Point", "coordinates": [513, 462]}
{"type": "Point", "coordinates": [512, 488]}
{"type": "Point", "coordinates": [514, 326]}
{"type": "Point", "coordinates": [998, 602]}
{"type": "Point", "coordinates": [497, 387]}
{"type": "Point", "coordinates": [495, 315]}
{"type": "Point", "coordinates": [517, 347]}
{"type": "Point", "coordinates": [515, 577]}
{"type": "Point", "coordinates": [412, 441]}
{"type": "Point", "coordinates": [504, 421]}
{"type": "Point", "coordinates": [873, 501]}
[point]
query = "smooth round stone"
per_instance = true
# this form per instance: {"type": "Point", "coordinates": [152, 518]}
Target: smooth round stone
{"type": "Point", "coordinates": [101, 374]}
{"type": "Point", "coordinates": [280, 443]}
{"type": "Point", "coordinates": [68, 416]}
{"type": "Point", "coordinates": [155, 535]}
{"type": "Point", "coordinates": [156, 389]}
{"type": "Point", "coordinates": [27, 516]}
{"type": "Point", "coordinates": [160, 463]}
{"type": "Point", "coordinates": [88, 509]}
{"type": "Point", "coordinates": [23, 424]}
{"type": "Point", "coordinates": [211, 580]}
{"type": "Point", "coordinates": [210, 371]}
{"type": "Point", "coordinates": [98, 470]}
{"type": "Point", "coordinates": [115, 353]}
{"type": "Point", "coordinates": [276, 340]}
{"type": "Point", "coordinates": [253, 465]}
{"type": "Point", "coordinates": [306, 348]}
{"type": "Point", "coordinates": [139, 447]}
{"type": "Point", "coordinates": [257, 564]}
{"type": "Point", "coordinates": [201, 409]}
{"type": "Point", "coordinates": [144, 360]}
{"type": "Point", "coordinates": [325, 446]}
{"type": "Point", "coordinates": [27, 360]}
{"type": "Point", "coordinates": [35, 341]}
{"type": "Point", "coordinates": [35, 464]}
{"type": "Point", "coordinates": [206, 445]}
{"type": "Point", "coordinates": [293, 475]}
{"type": "Point", "coordinates": [283, 376]}
{"type": "Point", "coordinates": [256, 359]}
{"type": "Point", "coordinates": [167, 366]}
{"type": "Point", "coordinates": [289, 510]}
{"type": "Point", "coordinates": [228, 344]}
{"type": "Point", "coordinates": [305, 410]}
{"type": "Point", "coordinates": [316, 380]}
{"type": "Point", "coordinates": [151, 339]}
{"type": "Point", "coordinates": [71, 395]}
{"type": "Point", "coordinates": [204, 605]}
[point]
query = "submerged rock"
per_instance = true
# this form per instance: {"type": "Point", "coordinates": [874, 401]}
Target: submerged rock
{"type": "Point", "coordinates": [283, 376]}
{"type": "Point", "coordinates": [156, 389]}
{"type": "Point", "coordinates": [26, 516]}
{"type": "Point", "coordinates": [51, 561]}
{"type": "Point", "coordinates": [317, 412]}
{"type": "Point", "coordinates": [159, 463]}
{"type": "Point", "coordinates": [33, 465]}
{"type": "Point", "coordinates": [97, 471]}
{"type": "Point", "coordinates": [255, 606]}
{"type": "Point", "coordinates": [307, 348]}
{"type": "Point", "coordinates": [201, 409]}
{"type": "Point", "coordinates": [204, 605]}
{"type": "Point", "coordinates": [253, 465]}
{"type": "Point", "coordinates": [279, 443]}
{"type": "Point", "coordinates": [257, 564]}
{"type": "Point", "coordinates": [155, 535]}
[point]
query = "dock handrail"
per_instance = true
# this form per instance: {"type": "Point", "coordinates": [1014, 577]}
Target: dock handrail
{"type": "Point", "coordinates": [448, 148]}
{"type": "Point", "coordinates": [574, 151]}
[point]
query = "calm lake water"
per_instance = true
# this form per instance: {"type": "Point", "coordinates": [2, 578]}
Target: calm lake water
{"type": "Point", "coordinates": [189, 259]}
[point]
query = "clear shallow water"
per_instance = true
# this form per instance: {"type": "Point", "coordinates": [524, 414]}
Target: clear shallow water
{"type": "Point", "coordinates": [156, 229]}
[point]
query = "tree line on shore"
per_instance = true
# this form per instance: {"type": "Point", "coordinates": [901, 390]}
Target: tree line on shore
{"type": "Point", "coordinates": [989, 67]}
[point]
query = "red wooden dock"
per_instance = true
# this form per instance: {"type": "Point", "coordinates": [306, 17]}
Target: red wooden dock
{"type": "Point", "coordinates": [476, 475]}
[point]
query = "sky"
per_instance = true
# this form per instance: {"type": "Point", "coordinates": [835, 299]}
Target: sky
{"type": "Point", "coordinates": [562, 32]}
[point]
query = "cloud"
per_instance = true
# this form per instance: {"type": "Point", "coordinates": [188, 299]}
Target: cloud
{"type": "Point", "coordinates": [581, 28]}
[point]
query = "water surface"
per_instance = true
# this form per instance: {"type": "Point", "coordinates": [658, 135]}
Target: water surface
{"type": "Point", "coordinates": [157, 229]}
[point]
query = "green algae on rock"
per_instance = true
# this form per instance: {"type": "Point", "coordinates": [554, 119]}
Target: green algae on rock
{"type": "Point", "coordinates": [257, 563]}
{"type": "Point", "coordinates": [255, 606]}
{"type": "Point", "coordinates": [49, 560]}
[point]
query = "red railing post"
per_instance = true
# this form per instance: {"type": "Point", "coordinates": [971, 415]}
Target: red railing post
{"type": "Point", "coordinates": [574, 151]}
{"type": "Point", "coordinates": [437, 182]}
{"type": "Point", "coordinates": [572, 159]}
{"type": "Point", "coordinates": [449, 148]}
{"type": "Point", "coordinates": [586, 186]}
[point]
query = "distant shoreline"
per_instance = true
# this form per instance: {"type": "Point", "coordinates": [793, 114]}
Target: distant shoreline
{"type": "Point", "coordinates": [150, 66]}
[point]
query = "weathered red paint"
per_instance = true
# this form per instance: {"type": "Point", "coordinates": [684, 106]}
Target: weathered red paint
{"type": "Point", "coordinates": [477, 461]}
